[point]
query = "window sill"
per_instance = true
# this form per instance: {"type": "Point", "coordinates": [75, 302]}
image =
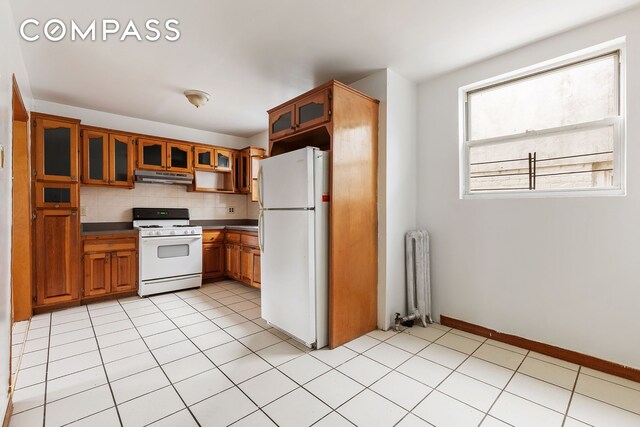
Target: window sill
{"type": "Point", "coordinates": [546, 194]}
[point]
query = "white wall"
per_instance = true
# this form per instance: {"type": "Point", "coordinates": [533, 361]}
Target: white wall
{"type": "Point", "coordinates": [396, 184]}
{"type": "Point", "coordinates": [10, 63]}
{"type": "Point", "coordinates": [561, 271]}
{"type": "Point", "coordinates": [132, 124]}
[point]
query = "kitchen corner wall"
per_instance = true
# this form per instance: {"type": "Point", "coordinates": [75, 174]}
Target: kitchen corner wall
{"type": "Point", "coordinates": [563, 271]}
{"type": "Point", "coordinates": [396, 184]}
{"type": "Point", "coordinates": [114, 204]}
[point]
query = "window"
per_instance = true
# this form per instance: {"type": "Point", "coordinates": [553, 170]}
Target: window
{"type": "Point", "coordinates": [554, 129]}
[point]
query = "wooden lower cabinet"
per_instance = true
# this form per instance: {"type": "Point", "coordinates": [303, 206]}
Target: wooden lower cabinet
{"type": "Point", "coordinates": [232, 261]}
{"type": "Point", "coordinates": [213, 260]}
{"type": "Point", "coordinates": [241, 259]}
{"type": "Point", "coordinates": [97, 274]}
{"type": "Point", "coordinates": [110, 266]}
{"type": "Point", "coordinates": [250, 268]}
{"type": "Point", "coordinates": [56, 241]}
{"type": "Point", "coordinates": [124, 271]}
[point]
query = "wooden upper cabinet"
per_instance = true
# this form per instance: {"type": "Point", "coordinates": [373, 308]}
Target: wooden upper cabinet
{"type": "Point", "coordinates": [179, 157]}
{"type": "Point", "coordinates": [95, 157]}
{"type": "Point", "coordinates": [237, 171]}
{"type": "Point", "coordinates": [121, 158]}
{"type": "Point", "coordinates": [56, 144]}
{"type": "Point", "coordinates": [223, 160]}
{"type": "Point", "coordinates": [152, 154]}
{"type": "Point", "coordinates": [313, 110]}
{"type": "Point", "coordinates": [107, 159]}
{"type": "Point", "coordinates": [203, 157]}
{"type": "Point", "coordinates": [281, 122]}
{"type": "Point", "coordinates": [56, 195]}
{"type": "Point", "coordinates": [247, 171]}
{"type": "Point", "coordinates": [299, 114]}
{"type": "Point", "coordinates": [245, 178]}
{"type": "Point", "coordinates": [57, 240]}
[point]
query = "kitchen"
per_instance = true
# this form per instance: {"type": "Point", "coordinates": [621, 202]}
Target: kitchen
{"type": "Point", "coordinates": [199, 245]}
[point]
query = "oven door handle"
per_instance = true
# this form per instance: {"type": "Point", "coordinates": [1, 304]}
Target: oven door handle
{"type": "Point", "coordinates": [151, 239]}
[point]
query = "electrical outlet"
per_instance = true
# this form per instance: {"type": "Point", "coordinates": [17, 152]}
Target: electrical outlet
{"type": "Point", "coordinates": [231, 209]}
{"type": "Point", "coordinates": [83, 211]}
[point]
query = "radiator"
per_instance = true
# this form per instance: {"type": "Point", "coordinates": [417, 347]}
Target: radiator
{"type": "Point", "coordinates": [418, 276]}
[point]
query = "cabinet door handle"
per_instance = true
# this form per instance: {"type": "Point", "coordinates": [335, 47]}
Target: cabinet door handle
{"type": "Point", "coordinates": [74, 177]}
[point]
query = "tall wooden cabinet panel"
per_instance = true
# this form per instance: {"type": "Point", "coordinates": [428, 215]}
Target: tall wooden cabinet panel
{"type": "Point", "coordinates": [56, 229]}
{"type": "Point", "coordinates": [56, 148]}
{"type": "Point", "coordinates": [56, 256]}
{"type": "Point", "coordinates": [336, 117]}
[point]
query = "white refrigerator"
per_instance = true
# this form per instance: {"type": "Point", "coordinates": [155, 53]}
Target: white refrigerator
{"type": "Point", "coordinates": [293, 229]}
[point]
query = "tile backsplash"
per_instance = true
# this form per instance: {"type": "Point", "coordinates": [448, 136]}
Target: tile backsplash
{"type": "Point", "coordinates": [105, 204]}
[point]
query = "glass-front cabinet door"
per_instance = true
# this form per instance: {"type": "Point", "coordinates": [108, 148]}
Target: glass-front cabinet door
{"type": "Point", "coordinates": [57, 150]}
{"type": "Point", "coordinates": [281, 122]}
{"type": "Point", "coordinates": [313, 110]}
{"type": "Point", "coordinates": [245, 178]}
{"type": "Point", "coordinates": [223, 160]}
{"type": "Point", "coordinates": [152, 154]}
{"type": "Point", "coordinates": [95, 157]}
{"type": "Point", "coordinates": [56, 195]}
{"type": "Point", "coordinates": [204, 158]}
{"type": "Point", "coordinates": [120, 160]}
{"type": "Point", "coordinates": [179, 157]}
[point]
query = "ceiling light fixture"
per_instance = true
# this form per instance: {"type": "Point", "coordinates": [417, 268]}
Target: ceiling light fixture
{"type": "Point", "coordinates": [197, 97]}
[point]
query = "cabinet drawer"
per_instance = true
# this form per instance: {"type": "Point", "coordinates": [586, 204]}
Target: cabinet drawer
{"type": "Point", "coordinates": [213, 236]}
{"type": "Point", "coordinates": [232, 237]}
{"type": "Point", "coordinates": [249, 240]}
{"type": "Point", "coordinates": [109, 245]}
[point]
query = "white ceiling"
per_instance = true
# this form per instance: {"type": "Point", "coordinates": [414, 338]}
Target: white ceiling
{"type": "Point", "coordinates": [254, 54]}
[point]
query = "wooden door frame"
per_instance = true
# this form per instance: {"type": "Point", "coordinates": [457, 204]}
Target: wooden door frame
{"type": "Point", "coordinates": [21, 245]}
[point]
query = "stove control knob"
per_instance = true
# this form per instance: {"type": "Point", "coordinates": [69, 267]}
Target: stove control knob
{"type": "Point", "coordinates": [172, 232]}
{"type": "Point", "coordinates": [158, 233]}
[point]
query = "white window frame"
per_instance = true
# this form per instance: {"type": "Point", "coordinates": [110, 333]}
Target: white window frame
{"type": "Point", "coordinates": [618, 124]}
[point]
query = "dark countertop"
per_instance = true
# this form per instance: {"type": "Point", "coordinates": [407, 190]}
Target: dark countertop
{"type": "Point", "coordinates": [104, 232]}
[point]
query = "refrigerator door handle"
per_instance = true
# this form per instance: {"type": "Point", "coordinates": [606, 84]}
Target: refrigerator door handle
{"type": "Point", "coordinates": [261, 231]}
{"type": "Point", "coordinates": [260, 188]}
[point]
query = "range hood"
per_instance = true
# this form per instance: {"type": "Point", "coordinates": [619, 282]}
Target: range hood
{"type": "Point", "coordinates": [162, 177]}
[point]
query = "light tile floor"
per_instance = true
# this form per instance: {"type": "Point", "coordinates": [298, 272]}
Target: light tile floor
{"type": "Point", "coordinates": [205, 357]}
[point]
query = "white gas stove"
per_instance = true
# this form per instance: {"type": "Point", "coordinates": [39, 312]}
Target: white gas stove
{"type": "Point", "coordinates": [170, 257]}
